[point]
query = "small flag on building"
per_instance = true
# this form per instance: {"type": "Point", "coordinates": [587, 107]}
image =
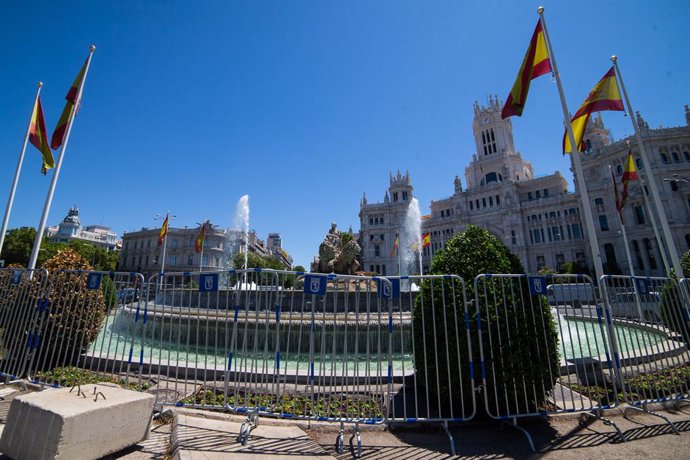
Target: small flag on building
{"type": "Point", "coordinates": [199, 242]}
{"type": "Point", "coordinates": [164, 231]}
{"type": "Point", "coordinates": [629, 173]}
{"type": "Point", "coordinates": [38, 136]}
{"type": "Point", "coordinates": [394, 252]}
{"type": "Point", "coordinates": [426, 240]}
{"type": "Point", "coordinates": [604, 96]}
{"type": "Point", "coordinates": [535, 64]}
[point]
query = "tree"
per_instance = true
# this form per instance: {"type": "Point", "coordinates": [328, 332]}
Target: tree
{"type": "Point", "coordinates": [685, 264]}
{"type": "Point", "coordinates": [17, 246]}
{"type": "Point", "coordinates": [299, 268]}
{"type": "Point", "coordinates": [530, 357]}
{"type": "Point", "coordinates": [256, 261]}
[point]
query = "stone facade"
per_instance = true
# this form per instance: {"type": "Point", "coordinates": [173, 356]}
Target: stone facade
{"type": "Point", "coordinates": [537, 217]}
{"type": "Point", "coordinates": [141, 253]}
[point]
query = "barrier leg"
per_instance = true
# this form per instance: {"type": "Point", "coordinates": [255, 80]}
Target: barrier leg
{"type": "Point", "coordinates": [247, 426]}
{"type": "Point", "coordinates": [340, 440]}
{"type": "Point", "coordinates": [450, 437]}
{"type": "Point", "coordinates": [513, 423]}
{"type": "Point", "coordinates": [644, 410]}
{"type": "Point", "coordinates": [586, 418]}
{"type": "Point", "coordinates": [358, 436]}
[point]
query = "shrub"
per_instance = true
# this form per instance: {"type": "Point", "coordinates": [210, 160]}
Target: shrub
{"type": "Point", "coordinates": [73, 317]}
{"type": "Point", "coordinates": [530, 359]}
{"type": "Point", "coordinates": [673, 313]}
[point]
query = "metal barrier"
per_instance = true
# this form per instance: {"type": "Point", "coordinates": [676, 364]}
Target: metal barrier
{"type": "Point", "coordinates": [22, 297]}
{"type": "Point", "coordinates": [650, 323]}
{"type": "Point", "coordinates": [72, 340]}
{"type": "Point", "coordinates": [274, 343]}
{"type": "Point", "coordinates": [433, 376]}
{"type": "Point", "coordinates": [543, 347]}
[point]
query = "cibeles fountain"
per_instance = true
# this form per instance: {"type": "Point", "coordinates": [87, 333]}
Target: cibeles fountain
{"type": "Point", "coordinates": [195, 326]}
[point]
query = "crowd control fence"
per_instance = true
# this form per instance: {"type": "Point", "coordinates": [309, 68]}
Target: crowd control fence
{"type": "Point", "coordinates": [354, 350]}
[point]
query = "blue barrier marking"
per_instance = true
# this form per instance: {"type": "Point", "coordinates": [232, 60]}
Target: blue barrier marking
{"type": "Point", "coordinates": [580, 278]}
{"type": "Point", "coordinates": [186, 274]}
{"type": "Point", "coordinates": [411, 419]}
{"type": "Point", "coordinates": [299, 273]}
{"type": "Point", "coordinates": [277, 313]}
{"type": "Point", "coordinates": [230, 361]}
{"type": "Point", "coordinates": [479, 320]}
{"type": "Point", "coordinates": [599, 313]}
{"type": "Point", "coordinates": [390, 324]}
{"type": "Point", "coordinates": [458, 419]}
{"type": "Point", "coordinates": [312, 371]}
{"type": "Point", "coordinates": [481, 365]}
{"type": "Point", "coordinates": [131, 353]}
{"type": "Point", "coordinates": [322, 419]}
{"type": "Point", "coordinates": [29, 341]}
{"type": "Point", "coordinates": [257, 270]}
{"type": "Point", "coordinates": [467, 320]}
{"type": "Point", "coordinates": [686, 315]}
{"type": "Point", "coordinates": [471, 370]}
{"type": "Point", "coordinates": [332, 276]}
{"type": "Point", "coordinates": [618, 362]}
{"type": "Point", "coordinates": [237, 313]}
{"type": "Point", "coordinates": [488, 275]}
{"type": "Point", "coordinates": [141, 356]}
{"type": "Point", "coordinates": [136, 315]}
{"type": "Point", "coordinates": [179, 404]}
{"type": "Point", "coordinates": [447, 277]}
{"type": "Point", "coordinates": [390, 373]}
{"type": "Point", "coordinates": [37, 338]}
{"type": "Point", "coordinates": [405, 277]}
{"type": "Point", "coordinates": [146, 315]}
{"type": "Point", "coordinates": [278, 361]}
{"type": "Point", "coordinates": [524, 275]}
{"type": "Point", "coordinates": [608, 317]}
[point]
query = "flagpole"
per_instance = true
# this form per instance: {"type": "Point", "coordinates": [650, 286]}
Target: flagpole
{"type": "Point", "coordinates": [627, 248]}
{"type": "Point", "coordinates": [56, 174]}
{"type": "Point", "coordinates": [586, 205]}
{"type": "Point", "coordinates": [203, 243]}
{"type": "Point", "coordinates": [13, 189]}
{"type": "Point", "coordinates": [652, 220]}
{"type": "Point", "coordinates": [670, 244]}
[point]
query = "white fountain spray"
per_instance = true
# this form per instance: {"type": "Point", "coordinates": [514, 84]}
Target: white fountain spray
{"type": "Point", "coordinates": [241, 222]}
{"type": "Point", "coordinates": [411, 239]}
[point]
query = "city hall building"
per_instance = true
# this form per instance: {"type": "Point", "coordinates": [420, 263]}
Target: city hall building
{"type": "Point", "coordinates": [537, 217]}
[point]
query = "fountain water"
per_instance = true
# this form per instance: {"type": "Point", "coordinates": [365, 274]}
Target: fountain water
{"type": "Point", "coordinates": [241, 224]}
{"type": "Point", "coordinates": [411, 239]}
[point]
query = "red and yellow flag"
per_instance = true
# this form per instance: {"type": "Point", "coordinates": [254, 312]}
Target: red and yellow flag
{"type": "Point", "coordinates": [164, 231]}
{"type": "Point", "coordinates": [629, 173]}
{"type": "Point", "coordinates": [395, 246]}
{"type": "Point", "coordinates": [199, 242]}
{"type": "Point", "coordinates": [604, 96]}
{"type": "Point", "coordinates": [73, 100]}
{"type": "Point", "coordinates": [535, 64]}
{"type": "Point", "coordinates": [426, 240]}
{"type": "Point", "coordinates": [38, 136]}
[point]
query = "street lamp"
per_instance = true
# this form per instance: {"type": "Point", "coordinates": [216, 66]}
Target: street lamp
{"type": "Point", "coordinates": [675, 180]}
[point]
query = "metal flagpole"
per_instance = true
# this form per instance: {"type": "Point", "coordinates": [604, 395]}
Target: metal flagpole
{"type": "Point", "coordinates": [56, 174]}
{"type": "Point", "coordinates": [203, 243]}
{"type": "Point", "coordinates": [627, 252]}
{"type": "Point", "coordinates": [670, 244]}
{"type": "Point", "coordinates": [13, 189]}
{"type": "Point", "coordinates": [586, 205]}
{"type": "Point", "coordinates": [652, 219]}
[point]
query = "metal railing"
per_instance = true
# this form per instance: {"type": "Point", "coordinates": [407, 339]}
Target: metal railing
{"type": "Point", "coordinates": [352, 349]}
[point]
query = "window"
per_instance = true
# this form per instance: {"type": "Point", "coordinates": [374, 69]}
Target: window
{"type": "Point", "coordinates": [147, 261]}
{"type": "Point", "coordinates": [599, 204]}
{"type": "Point", "coordinates": [537, 236]}
{"type": "Point", "coordinates": [133, 261]}
{"type": "Point", "coordinates": [619, 169]}
{"type": "Point", "coordinates": [491, 201]}
{"type": "Point", "coordinates": [676, 158]}
{"type": "Point", "coordinates": [639, 215]}
{"type": "Point", "coordinates": [610, 254]}
{"type": "Point", "coordinates": [546, 193]}
{"type": "Point", "coordinates": [513, 237]}
{"type": "Point", "coordinates": [377, 251]}
{"type": "Point", "coordinates": [172, 260]}
{"type": "Point", "coordinates": [190, 260]}
{"type": "Point", "coordinates": [471, 205]}
{"type": "Point", "coordinates": [381, 220]}
{"type": "Point", "coordinates": [371, 221]}
{"type": "Point", "coordinates": [541, 262]}
{"type": "Point", "coordinates": [442, 213]}
{"type": "Point", "coordinates": [204, 261]}
{"type": "Point", "coordinates": [538, 193]}
{"type": "Point", "coordinates": [588, 144]}
{"type": "Point", "coordinates": [664, 158]}
{"type": "Point", "coordinates": [491, 177]}
{"type": "Point", "coordinates": [135, 244]}
{"type": "Point", "coordinates": [395, 196]}
{"type": "Point", "coordinates": [381, 236]}
{"type": "Point", "coordinates": [603, 223]}
{"type": "Point", "coordinates": [577, 234]}
{"type": "Point", "coordinates": [650, 253]}
{"type": "Point", "coordinates": [404, 195]}
{"type": "Point", "coordinates": [371, 237]}
{"type": "Point", "coordinates": [556, 233]}
{"type": "Point", "coordinates": [529, 196]}
{"type": "Point", "coordinates": [483, 202]}
{"type": "Point", "coordinates": [384, 270]}
{"type": "Point", "coordinates": [686, 155]}
{"type": "Point", "coordinates": [173, 243]}
{"type": "Point", "coordinates": [498, 200]}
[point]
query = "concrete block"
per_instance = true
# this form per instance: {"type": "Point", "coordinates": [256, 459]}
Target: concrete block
{"type": "Point", "coordinates": [62, 425]}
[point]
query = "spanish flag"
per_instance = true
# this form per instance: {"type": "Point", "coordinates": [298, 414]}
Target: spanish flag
{"type": "Point", "coordinates": [535, 64]}
{"type": "Point", "coordinates": [38, 136]}
{"type": "Point", "coordinates": [199, 242]}
{"type": "Point", "coordinates": [164, 231]}
{"type": "Point", "coordinates": [629, 173]}
{"type": "Point", "coordinates": [73, 99]}
{"type": "Point", "coordinates": [395, 246]}
{"type": "Point", "coordinates": [604, 96]}
{"type": "Point", "coordinates": [426, 240]}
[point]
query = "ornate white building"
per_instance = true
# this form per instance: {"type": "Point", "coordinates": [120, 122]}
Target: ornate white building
{"type": "Point", "coordinates": [537, 217]}
{"type": "Point", "coordinates": [70, 229]}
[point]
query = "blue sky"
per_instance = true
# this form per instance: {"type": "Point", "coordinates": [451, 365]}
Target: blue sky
{"type": "Point", "coordinates": [303, 105]}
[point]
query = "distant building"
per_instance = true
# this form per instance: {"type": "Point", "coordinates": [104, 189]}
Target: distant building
{"type": "Point", "coordinates": [537, 217]}
{"type": "Point", "coordinates": [70, 229]}
{"type": "Point", "coordinates": [141, 253]}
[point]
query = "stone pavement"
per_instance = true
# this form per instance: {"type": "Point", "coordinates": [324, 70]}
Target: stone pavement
{"type": "Point", "coordinates": [202, 435]}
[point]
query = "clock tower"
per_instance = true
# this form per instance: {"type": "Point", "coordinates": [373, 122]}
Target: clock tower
{"type": "Point", "coordinates": [496, 159]}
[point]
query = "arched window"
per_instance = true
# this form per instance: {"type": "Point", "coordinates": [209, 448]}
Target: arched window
{"type": "Point", "coordinates": [619, 169]}
{"type": "Point", "coordinates": [599, 203]}
{"type": "Point", "coordinates": [676, 158]}
{"type": "Point", "coordinates": [491, 177]}
{"type": "Point", "coordinates": [686, 155]}
{"type": "Point", "coordinates": [664, 158]}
